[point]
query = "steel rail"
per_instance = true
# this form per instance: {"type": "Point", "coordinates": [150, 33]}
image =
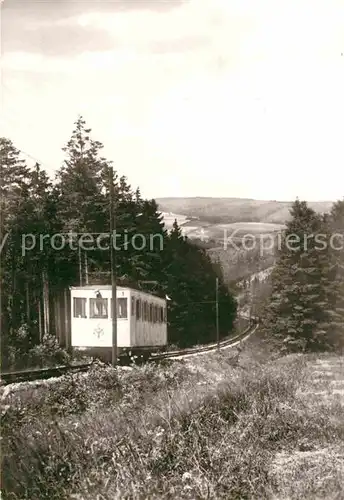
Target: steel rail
{"type": "Point", "coordinates": [46, 373]}
{"type": "Point", "coordinates": [41, 373]}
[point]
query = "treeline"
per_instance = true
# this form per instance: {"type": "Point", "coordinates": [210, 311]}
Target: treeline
{"type": "Point", "coordinates": [244, 216]}
{"type": "Point", "coordinates": [306, 307]}
{"type": "Point", "coordinates": [241, 264]}
{"type": "Point", "coordinates": [35, 268]}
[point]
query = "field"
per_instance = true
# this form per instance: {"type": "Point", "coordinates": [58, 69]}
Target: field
{"type": "Point", "coordinates": [200, 428]}
{"type": "Point", "coordinates": [169, 219]}
{"type": "Point", "coordinates": [217, 234]}
{"type": "Point", "coordinates": [241, 247]}
{"type": "Point", "coordinates": [220, 232]}
{"type": "Point", "coordinates": [237, 233]}
{"type": "Point", "coordinates": [226, 210]}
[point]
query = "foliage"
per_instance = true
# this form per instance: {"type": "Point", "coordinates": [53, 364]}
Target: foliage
{"type": "Point", "coordinates": [22, 353]}
{"type": "Point", "coordinates": [76, 206]}
{"type": "Point", "coordinates": [194, 429]}
{"type": "Point", "coordinates": [305, 310]}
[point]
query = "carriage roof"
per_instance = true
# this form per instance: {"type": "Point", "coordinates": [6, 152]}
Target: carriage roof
{"type": "Point", "coordinates": [119, 288]}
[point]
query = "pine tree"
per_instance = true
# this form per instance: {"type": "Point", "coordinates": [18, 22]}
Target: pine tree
{"type": "Point", "coordinates": [14, 175]}
{"type": "Point", "coordinates": [176, 274]}
{"type": "Point", "coordinates": [82, 202]}
{"type": "Point", "coordinates": [79, 203]}
{"type": "Point", "coordinates": [298, 313]}
{"type": "Point", "coordinates": [149, 262]}
{"type": "Point", "coordinates": [40, 262]}
{"type": "Point", "coordinates": [81, 181]}
{"type": "Point", "coordinates": [14, 186]}
{"type": "Point", "coordinates": [336, 288]}
{"type": "Point", "coordinates": [191, 280]}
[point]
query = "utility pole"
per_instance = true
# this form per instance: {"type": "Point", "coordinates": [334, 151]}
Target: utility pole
{"type": "Point", "coordinates": [86, 269]}
{"type": "Point", "coordinates": [217, 314]}
{"type": "Point", "coordinates": [113, 268]}
{"type": "Point", "coordinates": [80, 265]}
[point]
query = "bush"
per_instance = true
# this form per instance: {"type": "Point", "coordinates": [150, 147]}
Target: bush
{"type": "Point", "coordinates": [21, 354]}
{"type": "Point", "coordinates": [195, 429]}
{"type": "Point", "coordinates": [49, 352]}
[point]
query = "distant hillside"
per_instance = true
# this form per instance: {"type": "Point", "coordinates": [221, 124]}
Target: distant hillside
{"type": "Point", "coordinates": [227, 210]}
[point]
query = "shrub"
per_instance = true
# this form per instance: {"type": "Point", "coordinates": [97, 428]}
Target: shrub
{"type": "Point", "coordinates": [196, 429]}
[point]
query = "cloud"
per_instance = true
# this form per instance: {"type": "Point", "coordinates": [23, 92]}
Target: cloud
{"type": "Point", "coordinates": [55, 40]}
{"type": "Point", "coordinates": [58, 28]}
{"type": "Point", "coordinates": [227, 97]}
{"type": "Point", "coordinates": [194, 23]}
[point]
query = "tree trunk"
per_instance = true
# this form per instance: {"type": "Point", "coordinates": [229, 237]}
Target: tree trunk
{"type": "Point", "coordinates": [86, 269]}
{"type": "Point", "coordinates": [28, 316]}
{"type": "Point", "coordinates": [46, 303]}
{"type": "Point", "coordinates": [40, 320]}
{"type": "Point", "coordinates": [80, 266]}
{"type": "Point", "coordinates": [67, 322]}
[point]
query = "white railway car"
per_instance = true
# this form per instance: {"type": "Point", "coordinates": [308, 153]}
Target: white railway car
{"type": "Point", "coordinates": [141, 321]}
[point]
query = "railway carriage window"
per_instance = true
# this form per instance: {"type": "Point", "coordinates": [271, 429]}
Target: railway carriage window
{"type": "Point", "coordinates": [122, 307]}
{"type": "Point", "coordinates": [150, 313]}
{"type": "Point", "coordinates": [145, 311]}
{"type": "Point", "coordinates": [79, 307]}
{"type": "Point", "coordinates": [161, 310]}
{"type": "Point", "coordinates": [138, 309]}
{"type": "Point", "coordinates": [98, 308]}
{"type": "Point", "coordinates": [132, 306]}
{"type": "Point", "coordinates": [165, 315]}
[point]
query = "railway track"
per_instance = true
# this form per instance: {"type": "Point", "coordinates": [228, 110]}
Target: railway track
{"type": "Point", "coordinates": [46, 373]}
{"type": "Point", "coordinates": [232, 342]}
{"type": "Point", "coordinates": [41, 373]}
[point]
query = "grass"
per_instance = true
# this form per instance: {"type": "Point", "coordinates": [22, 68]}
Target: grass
{"type": "Point", "coordinates": [195, 429]}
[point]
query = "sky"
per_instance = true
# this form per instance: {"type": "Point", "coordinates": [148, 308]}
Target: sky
{"type": "Point", "coordinates": [237, 98]}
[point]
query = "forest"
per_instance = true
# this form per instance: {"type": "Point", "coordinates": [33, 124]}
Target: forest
{"type": "Point", "coordinates": [53, 233]}
{"type": "Point", "coordinates": [47, 226]}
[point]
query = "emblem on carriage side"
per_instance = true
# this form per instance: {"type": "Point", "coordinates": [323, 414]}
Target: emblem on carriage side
{"type": "Point", "coordinates": [98, 331]}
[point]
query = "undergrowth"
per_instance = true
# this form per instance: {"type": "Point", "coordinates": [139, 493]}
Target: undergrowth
{"type": "Point", "coordinates": [191, 430]}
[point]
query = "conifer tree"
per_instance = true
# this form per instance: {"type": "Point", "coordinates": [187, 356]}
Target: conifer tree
{"type": "Point", "coordinates": [153, 256]}
{"type": "Point", "coordinates": [82, 204]}
{"type": "Point", "coordinates": [79, 203]}
{"type": "Point", "coordinates": [336, 288]}
{"type": "Point", "coordinates": [298, 313]}
{"type": "Point", "coordinates": [81, 181]}
{"type": "Point", "coordinates": [40, 259]}
{"type": "Point", "coordinates": [14, 185]}
{"type": "Point", "coordinates": [191, 280]}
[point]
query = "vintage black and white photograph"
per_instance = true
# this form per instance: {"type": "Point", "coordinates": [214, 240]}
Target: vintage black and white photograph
{"type": "Point", "coordinates": [172, 249]}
